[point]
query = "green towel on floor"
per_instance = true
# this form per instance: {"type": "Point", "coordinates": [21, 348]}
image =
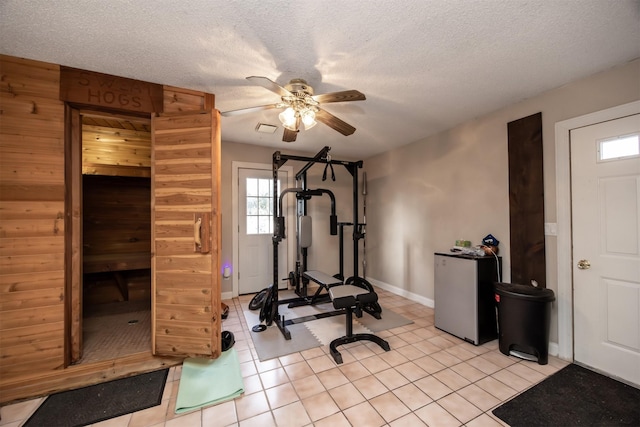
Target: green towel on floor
{"type": "Point", "coordinates": [209, 381]}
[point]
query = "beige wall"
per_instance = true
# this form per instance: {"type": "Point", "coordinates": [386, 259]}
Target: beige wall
{"type": "Point", "coordinates": [454, 185]}
{"type": "Point", "coordinates": [323, 254]}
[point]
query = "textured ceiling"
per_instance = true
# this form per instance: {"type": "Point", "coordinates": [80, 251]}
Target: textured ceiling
{"type": "Point", "coordinates": [424, 66]}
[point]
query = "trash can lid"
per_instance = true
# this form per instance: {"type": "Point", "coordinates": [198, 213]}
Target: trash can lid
{"type": "Point", "coordinates": [527, 292]}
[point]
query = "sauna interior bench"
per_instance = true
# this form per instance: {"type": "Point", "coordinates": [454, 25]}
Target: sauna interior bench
{"type": "Point", "coordinates": [116, 263]}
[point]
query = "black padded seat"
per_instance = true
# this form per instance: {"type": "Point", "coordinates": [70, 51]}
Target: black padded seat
{"type": "Point", "coordinates": [352, 298]}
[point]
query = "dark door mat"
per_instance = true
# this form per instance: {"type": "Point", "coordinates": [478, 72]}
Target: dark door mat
{"type": "Point", "coordinates": [89, 405]}
{"type": "Point", "coordinates": [574, 396]}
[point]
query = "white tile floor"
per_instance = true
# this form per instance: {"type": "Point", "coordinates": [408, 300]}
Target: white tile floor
{"type": "Point", "coordinates": [428, 378]}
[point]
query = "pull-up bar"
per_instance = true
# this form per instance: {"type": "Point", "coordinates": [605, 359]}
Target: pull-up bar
{"type": "Point", "coordinates": [280, 159]}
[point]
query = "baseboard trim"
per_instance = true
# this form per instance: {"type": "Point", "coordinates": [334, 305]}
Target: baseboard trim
{"type": "Point", "coordinates": [402, 292]}
{"type": "Point", "coordinates": [553, 346]}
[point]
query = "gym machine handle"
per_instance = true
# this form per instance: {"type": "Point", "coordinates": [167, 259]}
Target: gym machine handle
{"type": "Point", "coordinates": [302, 193]}
{"type": "Point", "coordinates": [279, 231]}
{"type": "Point", "coordinates": [333, 219]}
{"type": "Point", "coordinates": [333, 224]}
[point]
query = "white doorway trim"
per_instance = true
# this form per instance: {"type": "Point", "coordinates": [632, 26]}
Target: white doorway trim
{"type": "Point", "coordinates": [563, 217]}
{"type": "Point", "coordinates": [235, 166]}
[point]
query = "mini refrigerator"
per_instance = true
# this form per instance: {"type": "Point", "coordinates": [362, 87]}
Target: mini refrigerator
{"type": "Point", "coordinates": [464, 296]}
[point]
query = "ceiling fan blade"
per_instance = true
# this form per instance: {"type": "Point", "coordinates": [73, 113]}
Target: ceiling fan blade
{"type": "Point", "coordinates": [346, 95]}
{"type": "Point", "coordinates": [269, 84]}
{"type": "Point", "coordinates": [248, 110]}
{"type": "Point", "coordinates": [289, 135]}
{"type": "Point", "coordinates": [333, 122]}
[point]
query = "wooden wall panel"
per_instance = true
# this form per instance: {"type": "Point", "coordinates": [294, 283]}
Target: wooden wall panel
{"type": "Point", "coordinates": [116, 215]}
{"type": "Point", "coordinates": [526, 201]}
{"type": "Point", "coordinates": [16, 337]}
{"type": "Point", "coordinates": [181, 185]}
{"type": "Point", "coordinates": [30, 145]}
{"type": "Point", "coordinates": [31, 299]}
{"type": "Point", "coordinates": [31, 219]}
{"type": "Point", "coordinates": [185, 329]}
{"type": "Point", "coordinates": [116, 152]}
{"type": "Point", "coordinates": [27, 264]}
{"type": "Point", "coordinates": [29, 281]}
{"type": "Point", "coordinates": [186, 285]}
{"type": "Point", "coordinates": [183, 345]}
{"type": "Point", "coordinates": [36, 79]}
{"type": "Point", "coordinates": [178, 100]}
{"type": "Point", "coordinates": [33, 211]}
{"type": "Point", "coordinates": [46, 109]}
{"type": "Point", "coordinates": [169, 277]}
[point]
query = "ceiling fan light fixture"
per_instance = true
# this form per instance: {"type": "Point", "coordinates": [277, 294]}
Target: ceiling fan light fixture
{"type": "Point", "coordinates": [289, 119]}
{"type": "Point", "coordinates": [308, 117]}
{"type": "Point", "coordinates": [301, 107]}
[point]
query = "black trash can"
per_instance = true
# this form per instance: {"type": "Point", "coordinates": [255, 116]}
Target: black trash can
{"type": "Point", "coordinates": [524, 316]}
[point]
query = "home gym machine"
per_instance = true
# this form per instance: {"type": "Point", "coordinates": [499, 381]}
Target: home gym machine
{"type": "Point", "coordinates": [269, 312]}
{"type": "Point", "coordinates": [304, 242]}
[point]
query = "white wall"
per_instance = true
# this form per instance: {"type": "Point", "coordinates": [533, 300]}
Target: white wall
{"type": "Point", "coordinates": [454, 185]}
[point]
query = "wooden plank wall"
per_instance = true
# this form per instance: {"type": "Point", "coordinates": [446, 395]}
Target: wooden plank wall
{"type": "Point", "coordinates": [185, 286]}
{"type": "Point", "coordinates": [115, 152]}
{"type": "Point", "coordinates": [178, 100]}
{"type": "Point", "coordinates": [31, 219]}
{"type": "Point", "coordinates": [116, 215]}
{"type": "Point", "coordinates": [188, 332]}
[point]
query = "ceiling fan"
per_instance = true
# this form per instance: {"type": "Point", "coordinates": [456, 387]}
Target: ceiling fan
{"type": "Point", "coordinates": [302, 107]}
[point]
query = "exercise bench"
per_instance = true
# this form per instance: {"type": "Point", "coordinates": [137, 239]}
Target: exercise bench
{"type": "Point", "coordinates": [324, 280]}
{"type": "Point", "coordinates": [352, 299]}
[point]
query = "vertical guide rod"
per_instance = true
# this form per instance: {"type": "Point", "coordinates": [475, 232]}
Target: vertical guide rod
{"type": "Point", "coordinates": [277, 162]}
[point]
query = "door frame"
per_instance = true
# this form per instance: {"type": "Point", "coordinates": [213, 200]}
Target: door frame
{"type": "Point", "coordinates": [291, 248]}
{"type": "Point", "coordinates": [74, 252]}
{"type": "Point", "coordinates": [564, 254]}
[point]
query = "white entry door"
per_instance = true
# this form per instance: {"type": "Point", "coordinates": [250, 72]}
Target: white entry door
{"type": "Point", "coordinates": [255, 228]}
{"type": "Point", "coordinates": [605, 184]}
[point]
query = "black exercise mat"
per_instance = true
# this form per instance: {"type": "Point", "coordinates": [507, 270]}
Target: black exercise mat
{"type": "Point", "coordinates": [89, 405]}
{"type": "Point", "coordinates": [574, 396]}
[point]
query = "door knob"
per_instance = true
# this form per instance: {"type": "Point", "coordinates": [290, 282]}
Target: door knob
{"type": "Point", "coordinates": [583, 264]}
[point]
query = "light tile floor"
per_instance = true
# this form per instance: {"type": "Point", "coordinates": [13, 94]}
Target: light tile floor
{"type": "Point", "coordinates": [428, 378]}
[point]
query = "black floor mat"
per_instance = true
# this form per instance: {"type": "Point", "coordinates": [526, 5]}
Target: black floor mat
{"type": "Point", "coordinates": [574, 396]}
{"type": "Point", "coordinates": [89, 405]}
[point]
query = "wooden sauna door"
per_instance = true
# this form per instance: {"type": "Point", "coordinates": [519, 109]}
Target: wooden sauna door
{"type": "Point", "coordinates": [185, 218]}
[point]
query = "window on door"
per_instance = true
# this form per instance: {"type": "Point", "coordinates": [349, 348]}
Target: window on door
{"type": "Point", "coordinates": [259, 215]}
{"type": "Point", "coordinates": [618, 148]}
